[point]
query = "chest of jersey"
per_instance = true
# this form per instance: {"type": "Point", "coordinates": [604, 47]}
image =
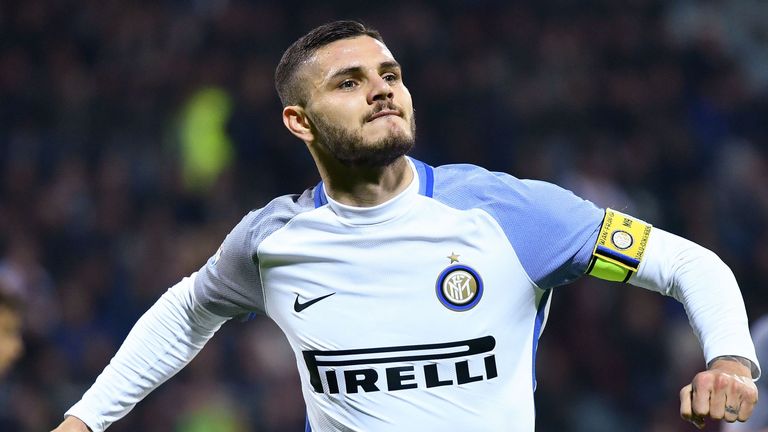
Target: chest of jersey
{"type": "Point", "coordinates": [430, 275]}
{"type": "Point", "coordinates": [404, 314]}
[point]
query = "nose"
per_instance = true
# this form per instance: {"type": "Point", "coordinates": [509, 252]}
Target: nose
{"type": "Point", "coordinates": [380, 90]}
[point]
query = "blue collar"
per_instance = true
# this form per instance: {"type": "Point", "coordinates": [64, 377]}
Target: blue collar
{"type": "Point", "coordinates": [426, 183]}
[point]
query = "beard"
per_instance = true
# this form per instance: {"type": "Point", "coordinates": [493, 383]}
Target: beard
{"type": "Point", "coordinates": [352, 150]}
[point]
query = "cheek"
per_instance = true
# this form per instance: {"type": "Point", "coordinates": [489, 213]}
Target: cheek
{"type": "Point", "coordinates": [406, 103]}
{"type": "Point", "coordinates": [342, 113]}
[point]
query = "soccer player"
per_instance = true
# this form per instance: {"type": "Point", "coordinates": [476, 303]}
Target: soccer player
{"type": "Point", "coordinates": [413, 296]}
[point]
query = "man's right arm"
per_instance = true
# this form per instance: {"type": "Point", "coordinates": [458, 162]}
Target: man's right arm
{"type": "Point", "coordinates": [163, 341]}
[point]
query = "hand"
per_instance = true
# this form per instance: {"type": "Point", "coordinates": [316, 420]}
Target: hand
{"type": "Point", "coordinates": [72, 424]}
{"type": "Point", "coordinates": [725, 391]}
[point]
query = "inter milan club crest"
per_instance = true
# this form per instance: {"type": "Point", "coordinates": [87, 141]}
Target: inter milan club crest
{"type": "Point", "coordinates": [622, 239]}
{"type": "Point", "coordinates": [459, 287]}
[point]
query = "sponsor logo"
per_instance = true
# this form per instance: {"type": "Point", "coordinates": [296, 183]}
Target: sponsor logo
{"type": "Point", "coordinates": [298, 306]}
{"type": "Point", "coordinates": [401, 367]}
{"type": "Point", "coordinates": [459, 287]}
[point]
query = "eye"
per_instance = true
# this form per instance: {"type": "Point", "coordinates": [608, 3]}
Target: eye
{"type": "Point", "coordinates": [348, 84]}
{"type": "Point", "coordinates": [390, 77]}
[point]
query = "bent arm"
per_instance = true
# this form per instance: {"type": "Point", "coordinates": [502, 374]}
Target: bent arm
{"type": "Point", "coordinates": [167, 337]}
{"type": "Point", "coordinates": [706, 287]}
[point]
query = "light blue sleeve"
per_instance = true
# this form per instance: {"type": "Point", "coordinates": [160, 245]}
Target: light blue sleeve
{"type": "Point", "coordinates": [229, 284]}
{"type": "Point", "coordinates": [552, 230]}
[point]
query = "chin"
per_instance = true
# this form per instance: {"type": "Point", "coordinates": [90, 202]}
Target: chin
{"type": "Point", "coordinates": [379, 152]}
{"type": "Point", "coordinates": [393, 132]}
{"type": "Point", "coordinates": [375, 145]}
{"type": "Point", "coordinates": [389, 140]}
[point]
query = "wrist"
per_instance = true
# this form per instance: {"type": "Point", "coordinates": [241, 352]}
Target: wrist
{"type": "Point", "coordinates": [732, 364]}
{"type": "Point", "coordinates": [79, 425]}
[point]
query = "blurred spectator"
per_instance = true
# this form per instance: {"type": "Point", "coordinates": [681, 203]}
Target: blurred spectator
{"type": "Point", "coordinates": [11, 348]}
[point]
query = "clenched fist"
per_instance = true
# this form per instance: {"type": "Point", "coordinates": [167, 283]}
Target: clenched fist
{"type": "Point", "coordinates": [724, 392]}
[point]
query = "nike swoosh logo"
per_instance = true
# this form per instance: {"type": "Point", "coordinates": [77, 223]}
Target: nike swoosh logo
{"type": "Point", "coordinates": [298, 307]}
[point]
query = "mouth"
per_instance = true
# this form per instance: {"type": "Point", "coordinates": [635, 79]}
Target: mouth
{"type": "Point", "coordinates": [384, 113]}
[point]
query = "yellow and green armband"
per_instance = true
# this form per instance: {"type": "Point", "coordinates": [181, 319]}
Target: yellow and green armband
{"type": "Point", "coordinates": [620, 247]}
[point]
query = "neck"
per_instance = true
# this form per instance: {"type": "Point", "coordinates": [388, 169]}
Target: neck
{"type": "Point", "coordinates": [364, 186]}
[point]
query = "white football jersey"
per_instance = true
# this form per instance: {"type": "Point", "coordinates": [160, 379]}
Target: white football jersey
{"type": "Point", "coordinates": [422, 313]}
{"type": "Point", "coordinates": [419, 314]}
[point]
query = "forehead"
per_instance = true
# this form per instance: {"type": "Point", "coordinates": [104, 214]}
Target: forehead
{"type": "Point", "coordinates": [361, 51]}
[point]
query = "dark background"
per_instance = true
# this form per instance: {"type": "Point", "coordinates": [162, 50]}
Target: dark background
{"type": "Point", "coordinates": [654, 108]}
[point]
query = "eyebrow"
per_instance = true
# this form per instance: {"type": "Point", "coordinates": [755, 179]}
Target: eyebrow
{"type": "Point", "coordinates": [352, 70]}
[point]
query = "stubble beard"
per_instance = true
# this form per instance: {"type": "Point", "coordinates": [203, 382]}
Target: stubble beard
{"type": "Point", "coordinates": [351, 149]}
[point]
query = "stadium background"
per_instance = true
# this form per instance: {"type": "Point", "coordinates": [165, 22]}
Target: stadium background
{"type": "Point", "coordinates": [134, 135]}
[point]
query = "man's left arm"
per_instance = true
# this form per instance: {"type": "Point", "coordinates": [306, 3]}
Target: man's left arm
{"type": "Point", "coordinates": [625, 249]}
{"type": "Point", "coordinates": [706, 287]}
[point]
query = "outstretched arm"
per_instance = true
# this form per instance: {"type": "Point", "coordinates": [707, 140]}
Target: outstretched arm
{"type": "Point", "coordinates": [707, 288]}
{"type": "Point", "coordinates": [163, 341]}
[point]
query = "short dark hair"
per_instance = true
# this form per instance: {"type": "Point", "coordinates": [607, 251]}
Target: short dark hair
{"type": "Point", "coordinates": [291, 92]}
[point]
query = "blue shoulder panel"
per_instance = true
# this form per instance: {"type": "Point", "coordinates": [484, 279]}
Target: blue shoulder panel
{"type": "Point", "coordinates": [552, 230]}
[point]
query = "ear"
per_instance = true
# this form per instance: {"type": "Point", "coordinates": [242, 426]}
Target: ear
{"type": "Point", "coordinates": [296, 120]}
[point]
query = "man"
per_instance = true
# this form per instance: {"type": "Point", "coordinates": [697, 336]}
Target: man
{"type": "Point", "coordinates": [413, 297]}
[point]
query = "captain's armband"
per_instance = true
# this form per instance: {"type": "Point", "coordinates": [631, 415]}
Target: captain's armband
{"type": "Point", "coordinates": [620, 247]}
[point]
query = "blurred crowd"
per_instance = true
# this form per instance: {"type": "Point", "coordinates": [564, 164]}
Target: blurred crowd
{"type": "Point", "coordinates": [134, 135]}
